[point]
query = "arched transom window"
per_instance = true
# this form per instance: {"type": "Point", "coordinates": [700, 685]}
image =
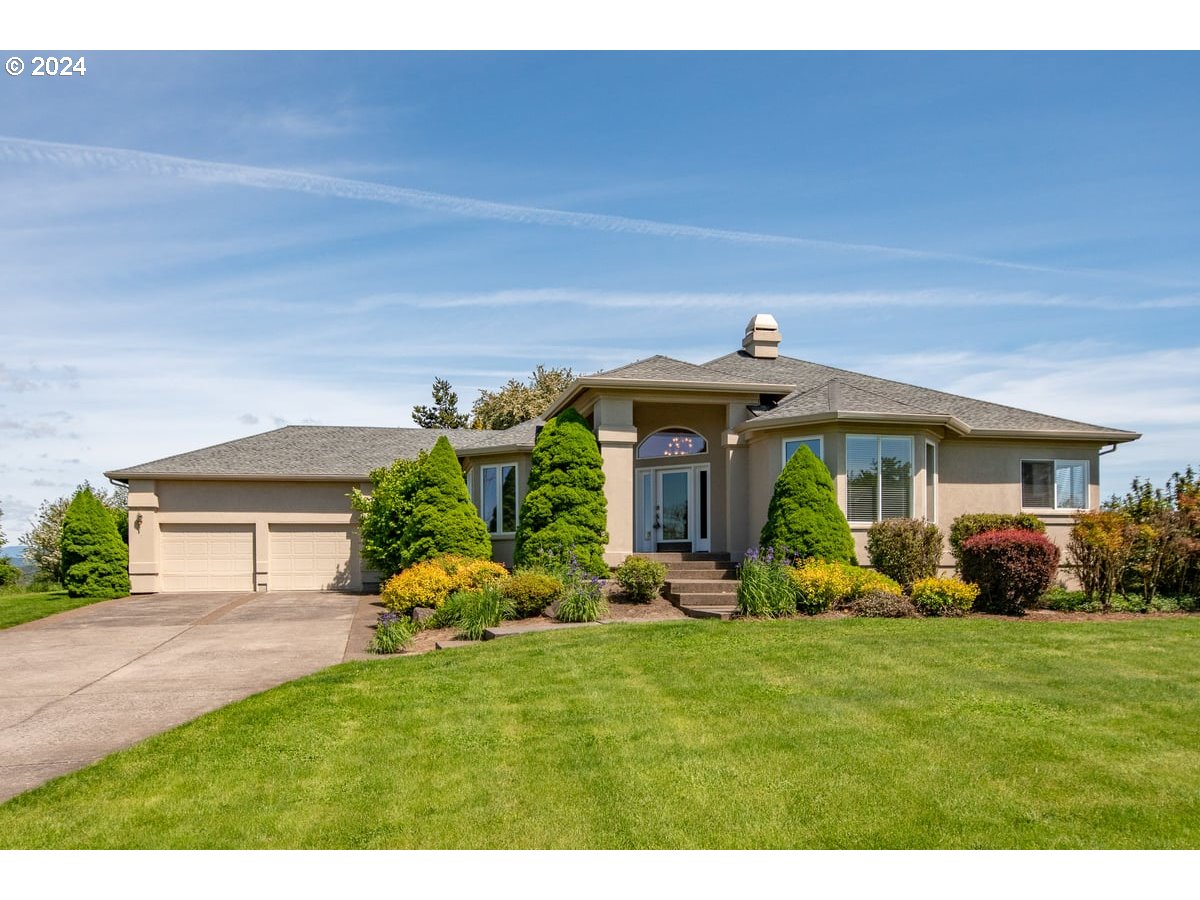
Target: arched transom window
{"type": "Point", "coordinates": [672, 442]}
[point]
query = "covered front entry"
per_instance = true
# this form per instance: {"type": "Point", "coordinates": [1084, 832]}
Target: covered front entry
{"type": "Point", "coordinates": [673, 508]}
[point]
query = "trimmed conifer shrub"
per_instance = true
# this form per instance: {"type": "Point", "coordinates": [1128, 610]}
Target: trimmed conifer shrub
{"type": "Point", "coordinates": [443, 519]}
{"type": "Point", "coordinates": [565, 512]}
{"type": "Point", "coordinates": [803, 518]}
{"type": "Point", "coordinates": [95, 560]}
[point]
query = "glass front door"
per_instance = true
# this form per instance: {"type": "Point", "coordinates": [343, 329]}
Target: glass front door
{"type": "Point", "coordinates": [672, 508]}
{"type": "Point", "coordinates": [674, 505]}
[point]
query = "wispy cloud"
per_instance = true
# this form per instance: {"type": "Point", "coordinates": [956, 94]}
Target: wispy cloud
{"type": "Point", "coordinates": [658, 300]}
{"type": "Point", "coordinates": [161, 165]}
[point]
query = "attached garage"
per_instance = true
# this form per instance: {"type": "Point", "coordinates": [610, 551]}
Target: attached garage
{"type": "Point", "coordinates": [207, 557]}
{"type": "Point", "coordinates": [310, 558]}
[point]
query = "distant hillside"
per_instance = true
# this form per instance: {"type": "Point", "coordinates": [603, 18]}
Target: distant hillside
{"type": "Point", "coordinates": [15, 554]}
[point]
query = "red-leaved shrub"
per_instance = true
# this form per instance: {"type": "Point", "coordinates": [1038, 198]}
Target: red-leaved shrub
{"type": "Point", "coordinates": [1012, 568]}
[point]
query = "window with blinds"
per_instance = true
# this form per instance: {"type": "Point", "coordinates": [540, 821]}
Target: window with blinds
{"type": "Point", "coordinates": [1054, 483]}
{"type": "Point", "coordinates": [879, 477]}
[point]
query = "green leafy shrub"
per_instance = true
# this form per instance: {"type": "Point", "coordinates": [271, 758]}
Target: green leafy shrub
{"type": "Point", "coordinates": [968, 525]}
{"type": "Point", "coordinates": [531, 592]}
{"type": "Point", "coordinates": [1062, 600]}
{"type": "Point", "coordinates": [883, 605]}
{"type": "Point", "coordinates": [765, 589]}
{"type": "Point", "coordinates": [95, 560]}
{"type": "Point", "coordinates": [1012, 568]}
{"type": "Point", "coordinates": [442, 518]}
{"type": "Point", "coordinates": [429, 583]}
{"type": "Point", "coordinates": [9, 574]}
{"type": "Point", "coordinates": [943, 596]}
{"type": "Point", "coordinates": [821, 585]}
{"type": "Point", "coordinates": [906, 550]}
{"type": "Point", "coordinates": [565, 511]}
{"type": "Point", "coordinates": [804, 518]}
{"type": "Point", "coordinates": [382, 515]}
{"type": "Point", "coordinates": [480, 610]}
{"type": "Point", "coordinates": [393, 632]}
{"type": "Point", "coordinates": [641, 579]}
{"type": "Point", "coordinates": [1098, 549]}
{"type": "Point", "coordinates": [583, 597]}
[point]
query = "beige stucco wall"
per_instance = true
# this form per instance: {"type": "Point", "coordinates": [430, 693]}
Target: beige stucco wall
{"type": "Point", "coordinates": [259, 504]}
{"type": "Point", "coordinates": [973, 475]}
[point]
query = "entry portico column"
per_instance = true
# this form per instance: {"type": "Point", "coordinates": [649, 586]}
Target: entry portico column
{"type": "Point", "coordinates": [617, 436]}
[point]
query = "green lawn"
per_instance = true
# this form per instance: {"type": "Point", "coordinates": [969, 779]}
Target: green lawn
{"type": "Point", "coordinates": [809, 733]}
{"type": "Point", "coordinates": [18, 608]}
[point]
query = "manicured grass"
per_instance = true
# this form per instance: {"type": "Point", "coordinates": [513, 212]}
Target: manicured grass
{"type": "Point", "coordinates": [16, 609]}
{"type": "Point", "coordinates": [810, 733]}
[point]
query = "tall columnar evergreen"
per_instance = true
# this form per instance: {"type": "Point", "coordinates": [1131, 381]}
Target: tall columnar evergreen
{"type": "Point", "coordinates": [443, 519]}
{"type": "Point", "coordinates": [804, 517]}
{"type": "Point", "coordinates": [95, 561]}
{"type": "Point", "coordinates": [565, 511]}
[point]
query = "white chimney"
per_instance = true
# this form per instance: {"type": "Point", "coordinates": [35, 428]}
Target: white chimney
{"type": "Point", "coordinates": [762, 337]}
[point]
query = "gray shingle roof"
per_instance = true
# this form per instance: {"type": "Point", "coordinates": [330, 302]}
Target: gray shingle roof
{"type": "Point", "coordinates": [308, 451]}
{"type": "Point", "coordinates": [838, 395]}
{"type": "Point", "coordinates": [977, 414]}
{"type": "Point", "coordinates": [664, 368]}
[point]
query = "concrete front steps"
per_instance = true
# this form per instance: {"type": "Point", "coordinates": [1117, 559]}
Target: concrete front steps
{"type": "Point", "coordinates": [702, 585]}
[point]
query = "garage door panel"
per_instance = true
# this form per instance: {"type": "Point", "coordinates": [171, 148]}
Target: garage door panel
{"type": "Point", "coordinates": [310, 558]}
{"type": "Point", "coordinates": [207, 557]}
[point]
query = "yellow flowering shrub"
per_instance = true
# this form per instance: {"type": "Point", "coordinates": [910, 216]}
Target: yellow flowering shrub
{"type": "Point", "coordinates": [943, 596]}
{"type": "Point", "coordinates": [821, 584]}
{"type": "Point", "coordinates": [867, 580]}
{"type": "Point", "coordinates": [429, 583]}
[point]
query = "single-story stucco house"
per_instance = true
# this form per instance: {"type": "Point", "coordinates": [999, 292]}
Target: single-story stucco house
{"type": "Point", "coordinates": [691, 454]}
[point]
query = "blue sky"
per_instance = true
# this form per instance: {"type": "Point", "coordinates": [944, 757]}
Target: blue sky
{"type": "Point", "coordinates": [1017, 227]}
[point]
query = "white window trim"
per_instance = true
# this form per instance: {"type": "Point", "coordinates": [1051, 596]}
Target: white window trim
{"type": "Point", "coordinates": [783, 454]}
{"type": "Point", "coordinates": [500, 467]}
{"type": "Point", "coordinates": [937, 464]}
{"type": "Point", "coordinates": [1087, 486]}
{"type": "Point", "coordinates": [912, 479]}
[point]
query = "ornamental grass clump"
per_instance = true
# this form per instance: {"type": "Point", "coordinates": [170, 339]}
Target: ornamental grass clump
{"type": "Point", "coordinates": [943, 596]}
{"type": "Point", "coordinates": [429, 583]}
{"type": "Point", "coordinates": [393, 632]}
{"type": "Point", "coordinates": [1012, 568]}
{"type": "Point", "coordinates": [765, 589]}
{"type": "Point", "coordinates": [480, 610]}
{"type": "Point", "coordinates": [641, 579]}
{"type": "Point", "coordinates": [583, 596]}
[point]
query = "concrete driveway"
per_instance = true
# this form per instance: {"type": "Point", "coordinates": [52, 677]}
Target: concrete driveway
{"type": "Point", "coordinates": [76, 686]}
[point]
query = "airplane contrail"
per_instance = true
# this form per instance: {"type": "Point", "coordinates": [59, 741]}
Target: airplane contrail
{"type": "Point", "coordinates": [158, 164]}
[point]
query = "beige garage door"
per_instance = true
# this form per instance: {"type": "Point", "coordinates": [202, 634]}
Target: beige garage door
{"type": "Point", "coordinates": [310, 558]}
{"type": "Point", "coordinates": [207, 557]}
